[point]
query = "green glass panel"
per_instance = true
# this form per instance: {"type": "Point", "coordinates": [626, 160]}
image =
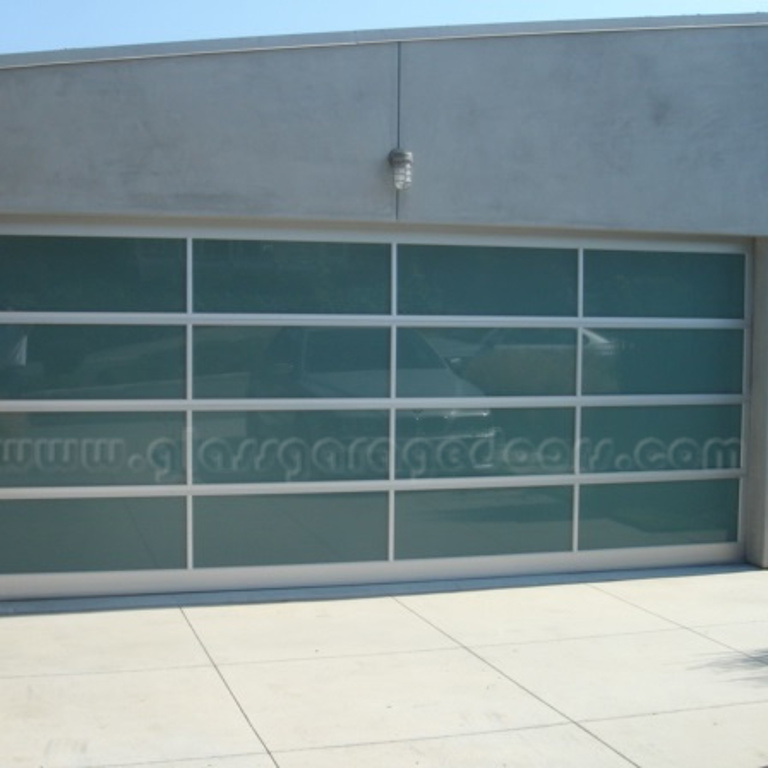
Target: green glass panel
{"type": "Point", "coordinates": [658, 514]}
{"type": "Point", "coordinates": [662, 362]}
{"type": "Point", "coordinates": [97, 362]}
{"type": "Point", "coordinates": [290, 529]}
{"type": "Point", "coordinates": [474, 523]}
{"type": "Point", "coordinates": [471, 442]}
{"type": "Point", "coordinates": [290, 446]}
{"type": "Point", "coordinates": [67, 449]}
{"type": "Point", "coordinates": [472, 362]}
{"type": "Point", "coordinates": [472, 280]}
{"type": "Point", "coordinates": [303, 278]}
{"type": "Point", "coordinates": [663, 284]}
{"type": "Point", "coordinates": [70, 535]}
{"type": "Point", "coordinates": [657, 439]}
{"type": "Point", "coordinates": [284, 361]}
{"type": "Point", "coordinates": [92, 274]}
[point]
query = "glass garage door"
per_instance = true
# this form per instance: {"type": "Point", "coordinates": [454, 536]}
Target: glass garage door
{"type": "Point", "coordinates": [209, 406]}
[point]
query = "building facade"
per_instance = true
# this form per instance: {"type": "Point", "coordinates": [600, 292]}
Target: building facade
{"type": "Point", "coordinates": [234, 354]}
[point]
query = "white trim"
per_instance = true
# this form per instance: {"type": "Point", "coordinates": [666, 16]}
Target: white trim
{"type": "Point", "coordinates": [373, 37]}
{"type": "Point", "coordinates": [671, 476]}
{"type": "Point", "coordinates": [578, 410]}
{"type": "Point", "coordinates": [465, 482]}
{"type": "Point", "coordinates": [542, 481]}
{"type": "Point", "coordinates": [295, 231]}
{"type": "Point", "coordinates": [94, 318]}
{"type": "Point", "coordinates": [93, 492]}
{"type": "Point", "coordinates": [92, 406]}
{"type": "Point", "coordinates": [576, 514]}
{"type": "Point", "coordinates": [23, 586]}
{"type": "Point", "coordinates": [597, 401]}
{"type": "Point", "coordinates": [392, 400]}
{"type": "Point", "coordinates": [145, 52]}
{"type": "Point", "coordinates": [189, 453]}
{"type": "Point", "coordinates": [362, 404]}
{"type": "Point", "coordinates": [369, 321]}
{"type": "Point", "coordinates": [565, 322]}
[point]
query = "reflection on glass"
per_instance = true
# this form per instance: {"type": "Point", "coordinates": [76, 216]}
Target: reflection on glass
{"type": "Point", "coordinates": [290, 529]}
{"type": "Point", "coordinates": [284, 361]}
{"type": "Point", "coordinates": [290, 446]}
{"type": "Point", "coordinates": [656, 284]}
{"type": "Point", "coordinates": [464, 442]}
{"type": "Point", "coordinates": [70, 449]}
{"type": "Point", "coordinates": [473, 280]}
{"type": "Point", "coordinates": [14, 347]}
{"type": "Point", "coordinates": [653, 439]}
{"type": "Point", "coordinates": [70, 535]}
{"type": "Point", "coordinates": [472, 523]}
{"type": "Point", "coordinates": [92, 274]}
{"type": "Point", "coordinates": [302, 278]}
{"type": "Point", "coordinates": [658, 514]}
{"type": "Point", "coordinates": [663, 362]}
{"type": "Point", "coordinates": [471, 362]}
{"type": "Point", "coordinates": [65, 362]}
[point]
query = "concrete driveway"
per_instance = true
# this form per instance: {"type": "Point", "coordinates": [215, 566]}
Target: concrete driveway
{"type": "Point", "coordinates": [659, 669]}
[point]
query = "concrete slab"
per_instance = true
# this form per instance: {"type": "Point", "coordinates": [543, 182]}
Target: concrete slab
{"type": "Point", "coordinates": [630, 674]}
{"type": "Point", "coordinates": [699, 600]}
{"type": "Point", "coordinates": [721, 737]}
{"type": "Point", "coordinates": [246, 633]}
{"type": "Point", "coordinates": [532, 614]}
{"type": "Point", "coordinates": [751, 639]}
{"type": "Point", "coordinates": [370, 681]}
{"type": "Point", "coordinates": [564, 746]}
{"type": "Point", "coordinates": [114, 641]}
{"type": "Point", "coordinates": [91, 721]}
{"type": "Point", "coordinates": [334, 702]}
{"type": "Point", "coordinates": [241, 761]}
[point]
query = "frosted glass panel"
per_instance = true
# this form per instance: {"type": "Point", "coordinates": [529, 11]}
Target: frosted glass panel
{"type": "Point", "coordinates": [663, 284]}
{"type": "Point", "coordinates": [73, 449]}
{"type": "Point", "coordinates": [290, 529]}
{"type": "Point", "coordinates": [658, 514]}
{"type": "Point", "coordinates": [291, 361]}
{"type": "Point", "coordinates": [279, 277]}
{"type": "Point", "coordinates": [66, 535]}
{"type": "Point", "coordinates": [662, 362]}
{"type": "Point", "coordinates": [290, 446]}
{"type": "Point", "coordinates": [470, 280]}
{"type": "Point", "coordinates": [92, 274]}
{"type": "Point", "coordinates": [472, 362]}
{"type": "Point", "coordinates": [475, 442]}
{"type": "Point", "coordinates": [95, 362]}
{"type": "Point", "coordinates": [656, 439]}
{"type": "Point", "coordinates": [473, 523]}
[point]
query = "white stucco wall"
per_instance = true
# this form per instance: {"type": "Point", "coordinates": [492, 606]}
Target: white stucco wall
{"type": "Point", "coordinates": [647, 130]}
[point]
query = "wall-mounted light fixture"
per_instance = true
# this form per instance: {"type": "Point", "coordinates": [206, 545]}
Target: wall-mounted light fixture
{"type": "Point", "coordinates": [402, 168]}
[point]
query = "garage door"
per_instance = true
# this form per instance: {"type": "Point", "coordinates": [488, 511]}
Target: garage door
{"type": "Point", "coordinates": [184, 413]}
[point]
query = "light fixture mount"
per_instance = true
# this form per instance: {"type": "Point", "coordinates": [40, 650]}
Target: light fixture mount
{"type": "Point", "coordinates": [402, 168]}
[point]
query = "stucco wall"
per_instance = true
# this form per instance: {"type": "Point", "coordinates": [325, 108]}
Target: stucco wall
{"type": "Point", "coordinates": [660, 130]}
{"type": "Point", "coordinates": [274, 134]}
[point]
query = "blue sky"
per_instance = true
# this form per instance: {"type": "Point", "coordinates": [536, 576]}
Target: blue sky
{"type": "Point", "coordinates": [34, 25]}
